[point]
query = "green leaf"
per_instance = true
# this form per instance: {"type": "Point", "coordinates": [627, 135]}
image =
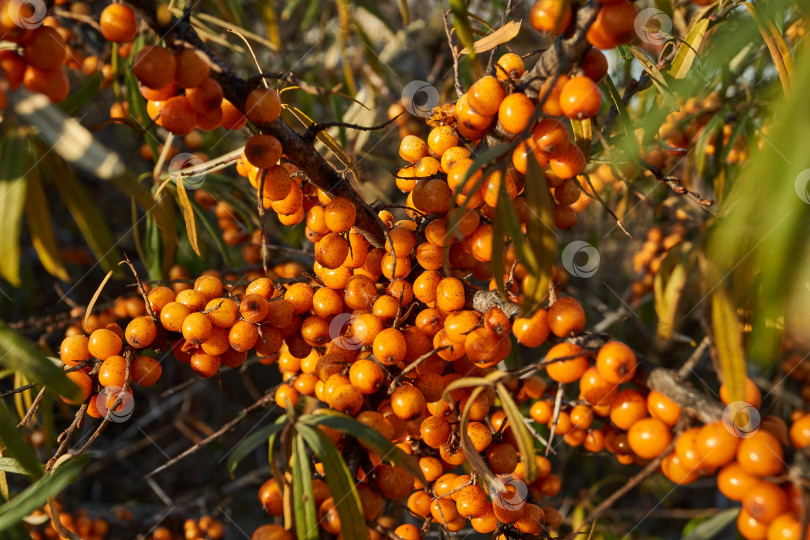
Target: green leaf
{"type": "Point", "coordinates": [729, 342]}
{"type": "Point", "coordinates": [13, 164]}
{"type": "Point", "coordinates": [373, 439]}
{"type": "Point", "coordinates": [21, 355]}
{"type": "Point", "coordinates": [668, 286]}
{"type": "Point", "coordinates": [686, 53]}
{"type": "Point", "coordinates": [521, 432]}
{"type": "Point", "coordinates": [340, 482]}
{"type": "Point", "coordinates": [583, 134]}
{"type": "Point", "coordinates": [461, 22]}
{"type": "Point", "coordinates": [541, 237]}
{"type": "Point", "coordinates": [713, 526]}
{"type": "Point", "coordinates": [656, 76]}
{"type": "Point", "coordinates": [306, 516]}
{"type": "Point", "coordinates": [39, 492]}
{"type": "Point", "coordinates": [14, 443]}
{"type": "Point", "coordinates": [253, 441]}
{"type": "Point", "coordinates": [188, 214]}
{"type": "Point", "coordinates": [40, 227]}
{"type": "Point", "coordinates": [782, 60]}
{"type": "Point", "coordinates": [11, 465]}
{"type": "Point", "coordinates": [85, 211]}
{"type": "Point", "coordinates": [78, 99]}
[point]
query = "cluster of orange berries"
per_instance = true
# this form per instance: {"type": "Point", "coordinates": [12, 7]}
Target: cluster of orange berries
{"type": "Point", "coordinates": [439, 172]}
{"type": "Point", "coordinates": [205, 528]}
{"type": "Point", "coordinates": [77, 522]}
{"type": "Point", "coordinates": [647, 261]}
{"type": "Point", "coordinates": [614, 24]}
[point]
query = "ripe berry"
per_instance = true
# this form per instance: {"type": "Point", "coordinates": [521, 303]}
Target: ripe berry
{"type": "Point", "coordinates": [104, 343]}
{"type": "Point", "coordinates": [616, 362]}
{"type": "Point", "coordinates": [486, 95]}
{"type": "Point", "coordinates": [760, 454]}
{"type": "Point", "coordinates": [141, 332]}
{"type": "Point", "coordinates": [515, 112]}
{"type": "Point", "coordinates": [566, 317]}
{"type": "Point", "coordinates": [662, 407]}
{"type": "Point", "coordinates": [45, 49]}
{"type": "Point", "coordinates": [509, 66]}
{"type": "Point", "coordinates": [627, 408]}
{"type": "Point", "coordinates": [263, 105]}
{"type": "Point", "coordinates": [580, 98]}
{"type": "Point", "coordinates": [649, 437]}
{"type": "Point", "coordinates": [570, 369]}
{"type": "Point", "coordinates": [550, 16]}
{"type": "Point", "coordinates": [145, 370]}
{"type": "Point", "coordinates": [118, 23]}
{"type": "Point", "coordinates": [154, 66]}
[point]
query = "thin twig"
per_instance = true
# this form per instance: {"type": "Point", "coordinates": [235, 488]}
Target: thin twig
{"type": "Point", "coordinates": [694, 358]}
{"type": "Point", "coordinates": [454, 52]}
{"type": "Point", "coordinates": [32, 409]}
{"type": "Point", "coordinates": [413, 365]}
{"type": "Point", "coordinates": [264, 400]}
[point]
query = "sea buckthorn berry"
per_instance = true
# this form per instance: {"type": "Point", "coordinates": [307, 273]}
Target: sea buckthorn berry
{"type": "Point", "coordinates": [104, 343]}
{"type": "Point", "coordinates": [441, 139]}
{"type": "Point", "coordinates": [243, 336]}
{"type": "Point", "coordinates": [541, 411]}
{"type": "Point", "coordinates": [800, 432]}
{"type": "Point", "coordinates": [390, 346]}
{"type": "Point", "coordinates": [450, 295]}
{"type": "Point", "coordinates": [192, 299]}
{"type": "Point", "coordinates": [760, 454]}
{"type": "Point", "coordinates": [331, 250]}
{"type": "Point", "coordinates": [785, 527]}
{"type": "Point", "coordinates": [752, 394]}
{"type": "Point", "coordinates": [118, 23]}
{"type": "Point", "coordinates": [595, 65]}
{"type": "Point", "coordinates": [45, 49]}
{"type": "Point", "coordinates": [550, 16]}
{"type": "Point", "coordinates": [154, 66]}
{"type": "Point", "coordinates": [263, 287]}
{"type": "Point", "coordinates": [551, 137]}
{"type": "Point", "coordinates": [393, 482]}
{"type": "Point", "coordinates": [568, 164]}
{"type": "Point", "coordinates": [570, 369]}
{"type": "Point", "coordinates": [486, 95]}
{"type": "Point", "coordinates": [52, 83]}
{"type": "Point", "coordinates": [263, 105]}
{"type": "Point", "coordinates": [360, 293]}
{"type": "Point", "coordinates": [286, 395]}
{"type": "Point", "coordinates": [486, 522]}
{"type": "Point", "coordinates": [580, 98]}
{"type": "Point", "coordinates": [471, 501]}
{"type": "Point", "coordinates": [532, 331]}
{"type": "Point", "coordinates": [412, 148]}
{"type": "Point", "coordinates": [515, 112]}
{"type": "Point", "coordinates": [432, 196]}
{"type": "Point", "coordinates": [207, 97]}
{"type": "Point", "coordinates": [419, 503]}
{"type": "Point", "coordinates": [509, 66]}
{"type": "Point", "coordinates": [502, 458]}
{"type": "Point", "coordinates": [532, 521]}
{"type": "Point", "coordinates": [407, 531]}
{"type": "Point", "coordinates": [481, 242]}
{"type": "Point", "coordinates": [716, 446]}
{"type": "Point", "coordinates": [197, 328]}
{"type": "Point", "coordinates": [734, 482]}
{"type": "Point", "coordinates": [158, 297]}
{"type": "Point", "coordinates": [566, 317]}
{"type": "Point", "coordinates": [113, 371]}
{"type": "Point", "coordinates": [204, 364]}
{"type": "Point", "coordinates": [614, 25]}
{"type": "Point", "coordinates": [751, 528]}
{"type": "Point", "coordinates": [74, 350]}
{"type": "Point", "coordinates": [145, 370]}
{"type": "Point", "coordinates": [172, 316]}
{"type": "Point", "coordinates": [340, 214]}
{"type": "Point", "coordinates": [765, 501]}
{"type": "Point", "coordinates": [85, 384]}
{"type": "Point", "coordinates": [327, 303]}
{"type": "Point", "coordinates": [254, 308]}
{"type": "Point", "coordinates": [366, 376]}
{"type": "Point", "coordinates": [649, 437]}
{"type": "Point", "coordinates": [616, 362]}
{"type": "Point", "coordinates": [627, 408]}
{"type": "Point", "coordinates": [262, 151]}
{"type": "Point", "coordinates": [407, 402]}
{"type": "Point", "coordinates": [435, 430]}
{"type": "Point", "coordinates": [401, 242]}
{"type": "Point", "coordinates": [192, 68]}
{"type": "Point", "coordinates": [430, 321]}
{"type": "Point", "coordinates": [223, 312]}
{"type": "Point", "coordinates": [480, 435]}
{"type": "Point", "coordinates": [662, 407]}
{"type": "Point", "coordinates": [453, 155]}
{"type": "Point", "coordinates": [141, 332]}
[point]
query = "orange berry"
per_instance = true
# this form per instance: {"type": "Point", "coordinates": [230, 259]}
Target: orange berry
{"type": "Point", "coordinates": [566, 317]}
{"type": "Point", "coordinates": [662, 407]}
{"type": "Point", "coordinates": [486, 95]}
{"type": "Point", "coordinates": [154, 66]}
{"type": "Point", "coordinates": [263, 105]}
{"type": "Point", "coordinates": [760, 454]}
{"type": "Point", "coordinates": [570, 369]}
{"type": "Point", "coordinates": [515, 112]}
{"type": "Point", "coordinates": [550, 16]}
{"type": "Point", "coordinates": [616, 362]}
{"type": "Point", "coordinates": [118, 23]}
{"type": "Point", "coordinates": [580, 98]}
